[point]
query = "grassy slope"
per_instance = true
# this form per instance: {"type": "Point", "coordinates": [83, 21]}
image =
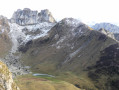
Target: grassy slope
{"type": "Point", "coordinates": [105, 73]}
{"type": "Point", "coordinates": [44, 58]}
{"type": "Point", "coordinates": [29, 82]}
{"type": "Point", "coordinates": [47, 59]}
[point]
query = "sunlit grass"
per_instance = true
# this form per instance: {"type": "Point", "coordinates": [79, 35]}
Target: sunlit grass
{"type": "Point", "coordinates": [29, 82]}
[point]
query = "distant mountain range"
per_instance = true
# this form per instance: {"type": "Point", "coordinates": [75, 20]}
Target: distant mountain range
{"type": "Point", "coordinates": [107, 26]}
{"type": "Point", "coordinates": [111, 29]}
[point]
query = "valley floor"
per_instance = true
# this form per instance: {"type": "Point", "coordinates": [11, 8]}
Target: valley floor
{"type": "Point", "coordinates": [30, 82]}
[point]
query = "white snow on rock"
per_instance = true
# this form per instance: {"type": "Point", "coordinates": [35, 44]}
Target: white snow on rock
{"type": "Point", "coordinates": [73, 54]}
{"type": "Point", "coordinates": [61, 40]}
{"type": "Point", "coordinates": [71, 22]}
{"type": "Point", "coordinates": [2, 31]}
{"type": "Point", "coordinates": [44, 27]}
{"type": "Point", "coordinates": [16, 33]}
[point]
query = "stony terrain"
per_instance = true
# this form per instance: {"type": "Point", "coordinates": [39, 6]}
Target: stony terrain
{"type": "Point", "coordinates": [18, 35]}
{"type": "Point", "coordinates": [6, 81]}
{"type": "Point", "coordinates": [7, 50]}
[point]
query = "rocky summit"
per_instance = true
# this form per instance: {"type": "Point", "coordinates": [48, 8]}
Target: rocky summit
{"type": "Point", "coordinates": [43, 54]}
{"type": "Point", "coordinates": [29, 17]}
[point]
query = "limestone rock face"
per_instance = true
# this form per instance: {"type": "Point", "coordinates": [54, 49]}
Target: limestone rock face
{"type": "Point", "coordinates": [6, 81]}
{"type": "Point", "coordinates": [29, 17]}
{"type": "Point", "coordinates": [45, 15]}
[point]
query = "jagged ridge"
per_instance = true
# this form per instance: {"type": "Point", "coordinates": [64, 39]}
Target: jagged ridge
{"type": "Point", "coordinates": [29, 17]}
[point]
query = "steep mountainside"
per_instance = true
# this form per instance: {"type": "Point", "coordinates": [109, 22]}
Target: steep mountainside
{"type": "Point", "coordinates": [70, 46]}
{"type": "Point", "coordinates": [69, 38]}
{"type": "Point", "coordinates": [6, 81]}
{"type": "Point", "coordinates": [5, 42]}
{"type": "Point", "coordinates": [106, 69]}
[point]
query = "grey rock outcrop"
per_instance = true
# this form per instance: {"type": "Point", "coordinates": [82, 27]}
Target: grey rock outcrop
{"type": "Point", "coordinates": [6, 81]}
{"type": "Point", "coordinates": [29, 17]}
{"type": "Point", "coordinates": [46, 16]}
{"type": "Point", "coordinates": [14, 64]}
{"type": "Point", "coordinates": [109, 34]}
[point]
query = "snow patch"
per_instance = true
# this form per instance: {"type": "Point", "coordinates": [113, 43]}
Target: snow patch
{"type": "Point", "coordinates": [2, 31]}
{"type": "Point", "coordinates": [58, 47]}
{"type": "Point", "coordinates": [73, 54]}
{"type": "Point", "coordinates": [72, 22]}
{"type": "Point", "coordinates": [44, 27]}
{"type": "Point", "coordinates": [16, 33]}
{"type": "Point", "coordinates": [61, 40]}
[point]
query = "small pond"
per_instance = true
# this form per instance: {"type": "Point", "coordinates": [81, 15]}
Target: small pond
{"type": "Point", "coordinates": [40, 74]}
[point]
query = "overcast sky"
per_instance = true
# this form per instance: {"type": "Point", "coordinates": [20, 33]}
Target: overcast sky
{"type": "Point", "coordinates": [88, 11]}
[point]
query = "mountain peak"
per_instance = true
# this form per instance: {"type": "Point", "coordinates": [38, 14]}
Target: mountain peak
{"type": "Point", "coordinates": [71, 21]}
{"type": "Point", "coordinates": [31, 17]}
{"type": "Point", "coordinates": [45, 15]}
